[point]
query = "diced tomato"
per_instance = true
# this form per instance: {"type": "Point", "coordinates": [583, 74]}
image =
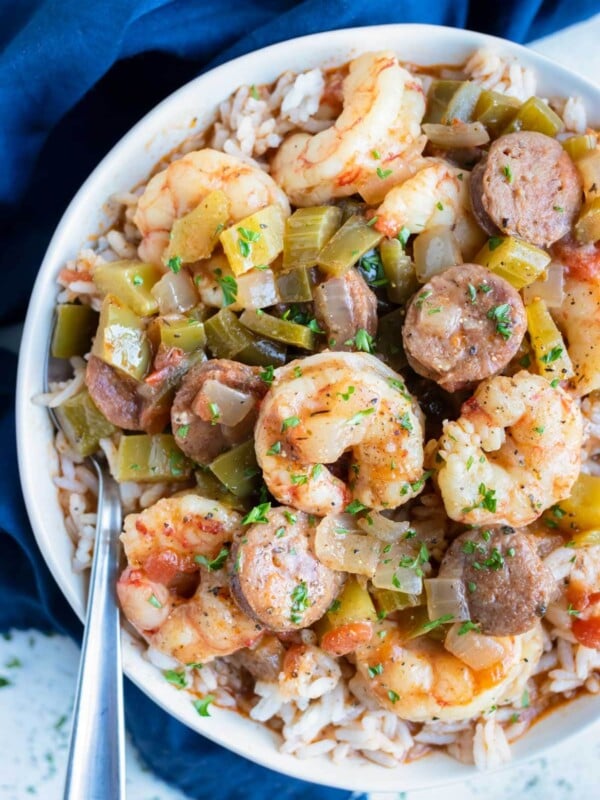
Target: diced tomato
{"type": "Point", "coordinates": [346, 638]}
{"type": "Point", "coordinates": [587, 632]}
{"type": "Point", "coordinates": [581, 261]}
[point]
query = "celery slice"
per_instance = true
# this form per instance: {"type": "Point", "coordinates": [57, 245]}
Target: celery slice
{"type": "Point", "coordinates": [195, 235]}
{"type": "Point", "coordinates": [306, 233]}
{"type": "Point", "coordinates": [355, 238]}
{"type": "Point", "coordinates": [237, 469]}
{"type": "Point", "coordinates": [515, 260]}
{"type": "Point", "coordinates": [151, 458]}
{"type": "Point", "coordinates": [131, 282]}
{"type": "Point", "coordinates": [75, 325]}
{"type": "Point", "coordinates": [551, 356]}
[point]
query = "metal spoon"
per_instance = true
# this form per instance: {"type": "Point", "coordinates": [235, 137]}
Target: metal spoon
{"type": "Point", "coordinates": [96, 765]}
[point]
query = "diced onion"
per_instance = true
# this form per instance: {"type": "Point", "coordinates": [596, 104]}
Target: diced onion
{"type": "Point", "coordinates": [434, 251]}
{"type": "Point", "coordinates": [551, 289]}
{"type": "Point", "coordinates": [446, 596]}
{"type": "Point", "coordinates": [234, 406]}
{"type": "Point", "coordinates": [474, 649]}
{"type": "Point", "coordinates": [175, 293]}
{"type": "Point", "coordinates": [457, 135]}
{"type": "Point", "coordinates": [388, 530]}
{"type": "Point", "coordinates": [333, 304]}
{"type": "Point", "coordinates": [256, 289]}
{"type": "Point", "coordinates": [389, 575]}
{"type": "Point", "coordinates": [339, 546]}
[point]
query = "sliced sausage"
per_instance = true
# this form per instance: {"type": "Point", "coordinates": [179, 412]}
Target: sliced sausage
{"type": "Point", "coordinates": [507, 586]}
{"type": "Point", "coordinates": [195, 424]}
{"type": "Point", "coordinates": [120, 400]}
{"type": "Point", "coordinates": [276, 577]}
{"type": "Point", "coordinates": [527, 187]}
{"type": "Point", "coordinates": [265, 661]}
{"type": "Point", "coordinates": [462, 326]}
{"type": "Point", "coordinates": [343, 306]}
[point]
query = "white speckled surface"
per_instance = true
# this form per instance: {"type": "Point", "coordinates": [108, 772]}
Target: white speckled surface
{"type": "Point", "coordinates": [37, 672]}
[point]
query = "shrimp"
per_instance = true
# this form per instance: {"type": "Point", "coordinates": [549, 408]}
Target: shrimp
{"type": "Point", "coordinates": [375, 136]}
{"type": "Point", "coordinates": [326, 405]}
{"type": "Point", "coordinates": [420, 680]}
{"type": "Point", "coordinates": [579, 319]}
{"type": "Point", "coordinates": [514, 451]}
{"type": "Point", "coordinates": [186, 182]}
{"type": "Point", "coordinates": [173, 590]}
{"type": "Point", "coordinates": [431, 197]}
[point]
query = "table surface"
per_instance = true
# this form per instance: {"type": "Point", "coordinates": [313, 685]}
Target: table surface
{"type": "Point", "coordinates": [38, 671]}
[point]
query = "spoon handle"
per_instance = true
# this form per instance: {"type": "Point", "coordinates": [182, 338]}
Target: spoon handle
{"type": "Point", "coordinates": [96, 765]}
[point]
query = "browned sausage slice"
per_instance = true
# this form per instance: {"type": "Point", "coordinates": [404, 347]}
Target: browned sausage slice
{"type": "Point", "coordinates": [476, 188]}
{"type": "Point", "coordinates": [194, 419]}
{"type": "Point", "coordinates": [528, 187]}
{"type": "Point", "coordinates": [507, 586]}
{"type": "Point", "coordinates": [464, 325]}
{"type": "Point", "coordinates": [276, 577]}
{"type": "Point", "coordinates": [343, 306]}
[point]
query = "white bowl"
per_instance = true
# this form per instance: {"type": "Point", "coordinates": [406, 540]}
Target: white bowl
{"type": "Point", "coordinates": [128, 163]}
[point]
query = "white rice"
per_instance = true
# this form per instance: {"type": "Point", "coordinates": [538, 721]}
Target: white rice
{"type": "Point", "coordinates": [326, 708]}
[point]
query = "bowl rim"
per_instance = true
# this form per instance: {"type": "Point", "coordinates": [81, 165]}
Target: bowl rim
{"type": "Point", "coordinates": [320, 770]}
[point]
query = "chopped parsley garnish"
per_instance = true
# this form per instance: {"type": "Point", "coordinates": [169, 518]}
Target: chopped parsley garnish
{"type": "Point", "coordinates": [268, 374]}
{"type": "Point", "coordinates": [215, 413]}
{"type": "Point", "coordinates": [254, 92]}
{"type": "Point", "coordinates": [525, 361]}
{"type": "Point", "coordinates": [275, 449]}
{"type": "Point", "coordinates": [257, 514]}
{"type": "Point", "coordinates": [313, 325]}
{"type": "Point", "coordinates": [316, 470]}
{"type": "Point", "coordinates": [471, 586]}
{"type": "Point", "coordinates": [472, 293]}
{"type": "Point", "coordinates": [501, 316]}
{"type": "Point", "coordinates": [355, 507]}
{"type": "Point", "coordinates": [487, 500]}
{"type": "Point", "coordinates": [468, 626]}
{"type": "Point", "coordinates": [291, 518]}
{"type": "Point", "coordinates": [422, 297]}
{"type": "Point", "coordinates": [403, 236]}
{"type": "Point", "coordinates": [507, 172]}
{"type": "Point", "coordinates": [376, 154]}
{"type": "Point", "coordinates": [417, 485]}
{"type": "Point", "coordinates": [573, 612]}
{"type": "Point", "coordinates": [335, 606]}
{"type": "Point", "coordinates": [383, 173]}
{"type": "Point", "coordinates": [300, 602]}
{"type": "Point", "coordinates": [154, 601]}
{"type": "Point", "coordinates": [346, 395]}
{"type": "Point", "coordinates": [434, 310]}
{"type": "Point", "coordinates": [413, 563]}
{"type": "Point", "coordinates": [248, 235]}
{"type": "Point", "coordinates": [405, 422]}
{"type": "Point", "coordinates": [372, 221]}
{"type": "Point", "coordinates": [400, 386]}
{"type": "Point", "coordinates": [360, 415]}
{"type": "Point", "coordinates": [137, 280]}
{"type": "Point", "coordinates": [228, 286]}
{"type": "Point", "coordinates": [376, 669]}
{"type": "Point", "coordinates": [174, 264]}
{"type": "Point", "coordinates": [289, 422]}
{"type": "Point", "coordinates": [525, 699]}
{"type": "Point", "coordinates": [560, 209]}
{"type": "Point", "coordinates": [435, 623]}
{"type": "Point", "coordinates": [552, 355]}
{"type": "Point", "coordinates": [182, 431]}
{"type": "Point", "coordinates": [280, 532]}
{"type": "Point", "coordinates": [297, 372]}
{"type": "Point", "coordinates": [439, 205]}
{"type": "Point", "coordinates": [393, 696]}
{"type": "Point", "coordinates": [214, 564]}
{"type": "Point", "coordinates": [202, 705]}
{"type": "Point", "coordinates": [540, 429]}
{"type": "Point", "coordinates": [371, 269]}
{"type": "Point", "coordinates": [176, 677]}
{"type": "Point", "coordinates": [363, 341]}
{"type": "Point", "coordinates": [176, 463]}
{"type": "Point", "coordinates": [554, 383]}
{"type": "Point", "coordinates": [298, 480]}
{"type": "Point", "coordinates": [494, 242]}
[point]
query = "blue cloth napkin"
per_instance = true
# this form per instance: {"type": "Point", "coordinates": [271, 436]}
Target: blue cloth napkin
{"type": "Point", "coordinates": [74, 76]}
